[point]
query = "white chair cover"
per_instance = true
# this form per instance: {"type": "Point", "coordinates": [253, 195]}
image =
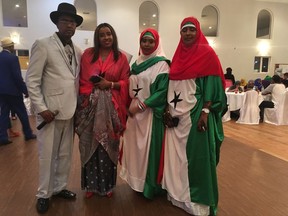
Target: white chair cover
{"type": "Point", "coordinates": [285, 109]}
{"type": "Point", "coordinates": [226, 117]}
{"type": "Point", "coordinates": [249, 112]}
{"type": "Point", "coordinates": [279, 114]}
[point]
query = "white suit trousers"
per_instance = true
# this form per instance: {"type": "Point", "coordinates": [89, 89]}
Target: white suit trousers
{"type": "Point", "coordinates": [55, 146]}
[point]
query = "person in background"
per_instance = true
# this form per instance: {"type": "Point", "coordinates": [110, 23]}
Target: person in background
{"type": "Point", "coordinates": [12, 89]}
{"type": "Point", "coordinates": [52, 81]}
{"type": "Point", "coordinates": [285, 79]}
{"type": "Point", "coordinates": [276, 89]}
{"type": "Point", "coordinates": [266, 81]}
{"type": "Point", "coordinates": [243, 83]}
{"type": "Point", "coordinates": [12, 133]}
{"type": "Point", "coordinates": [142, 140]}
{"type": "Point", "coordinates": [249, 86]}
{"type": "Point", "coordinates": [101, 113]}
{"type": "Point", "coordinates": [192, 148]}
{"type": "Point", "coordinates": [258, 85]}
{"type": "Point", "coordinates": [228, 75]}
{"type": "Point", "coordinates": [235, 88]}
{"type": "Point", "coordinates": [13, 115]}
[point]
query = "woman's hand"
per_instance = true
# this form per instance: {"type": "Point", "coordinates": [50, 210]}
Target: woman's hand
{"type": "Point", "coordinates": [168, 119]}
{"type": "Point", "coordinates": [134, 108]}
{"type": "Point", "coordinates": [202, 122]}
{"type": "Point", "coordinates": [103, 84]}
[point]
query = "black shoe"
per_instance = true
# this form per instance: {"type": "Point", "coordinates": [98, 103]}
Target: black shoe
{"type": "Point", "coordinates": [42, 205]}
{"type": "Point", "coordinates": [5, 142]}
{"type": "Point", "coordinates": [32, 136]}
{"type": "Point", "coordinates": [66, 194]}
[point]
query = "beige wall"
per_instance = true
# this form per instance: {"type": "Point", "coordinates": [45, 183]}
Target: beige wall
{"type": "Point", "coordinates": [236, 44]}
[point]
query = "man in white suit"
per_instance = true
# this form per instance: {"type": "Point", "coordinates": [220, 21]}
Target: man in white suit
{"type": "Point", "coordinates": [52, 82]}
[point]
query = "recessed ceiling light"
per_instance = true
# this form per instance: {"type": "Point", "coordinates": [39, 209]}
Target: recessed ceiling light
{"type": "Point", "coordinates": [17, 5]}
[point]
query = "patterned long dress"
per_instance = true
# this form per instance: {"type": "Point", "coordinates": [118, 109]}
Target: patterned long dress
{"type": "Point", "coordinates": [100, 121]}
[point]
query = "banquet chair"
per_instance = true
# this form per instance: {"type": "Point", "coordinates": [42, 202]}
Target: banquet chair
{"type": "Point", "coordinates": [226, 117]}
{"type": "Point", "coordinates": [279, 114]}
{"type": "Point", "coordinates": [249, 112]}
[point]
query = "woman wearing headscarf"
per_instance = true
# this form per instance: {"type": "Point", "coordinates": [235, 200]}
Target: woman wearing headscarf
{"type": "Point", "coordinates": [142, 139]}
{"type": "Point", "coordinates": [258, 84]}
{"type": "Point", "coordinates": [101, 113]}
{"type": "Point", "coordinates": [236, 87]}
{"type": "Point", "coordinates": [196, 96]}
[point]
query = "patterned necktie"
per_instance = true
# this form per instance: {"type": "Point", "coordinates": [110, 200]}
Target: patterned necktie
{"type": "Point", "coordinates": [69, 52]}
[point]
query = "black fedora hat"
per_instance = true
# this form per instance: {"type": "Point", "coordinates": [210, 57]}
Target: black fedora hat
{"type": "Point", "coordinates": [65, 9]}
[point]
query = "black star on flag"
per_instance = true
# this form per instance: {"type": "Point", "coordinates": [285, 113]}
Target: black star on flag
{"type": "Point", "coordinates": [137, 90]}
{"type": "Point", "coordinates": [176, 99]}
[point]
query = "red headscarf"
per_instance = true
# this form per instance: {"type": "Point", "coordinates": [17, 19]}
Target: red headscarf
{"type": "Point", "coordinates": [155, 36]}
{"type": "Point", "coordinates": [157, 51]}
{"type": "Point", "coordinates": [196, 60]}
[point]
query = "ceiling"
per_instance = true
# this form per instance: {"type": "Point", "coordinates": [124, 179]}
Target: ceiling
{"type": "Point", "coordinates": [13, 16]}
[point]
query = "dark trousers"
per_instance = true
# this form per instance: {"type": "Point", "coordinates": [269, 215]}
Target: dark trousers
{"type": "Point", "coordinates": [263, 105]}
{"type": "Point", "coordinates": [15, 103]}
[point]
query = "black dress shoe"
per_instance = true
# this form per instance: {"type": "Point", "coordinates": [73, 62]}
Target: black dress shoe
{"type": "Point", "coordinates": [32, 136]}
{"type": "Point", "coordinates": [42, 205]}
{"type": "Point", "coordinates": [66, 194]}
{"type": "Point", "coordinates": [5, 142]}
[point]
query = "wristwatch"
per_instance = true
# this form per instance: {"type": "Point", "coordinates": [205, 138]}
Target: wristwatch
{"type": "Point", "coordinates": [206, 110]}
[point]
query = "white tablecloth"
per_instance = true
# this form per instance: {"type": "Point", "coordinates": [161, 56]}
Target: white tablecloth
{"type": "Point", "coordinates": [235, 100]}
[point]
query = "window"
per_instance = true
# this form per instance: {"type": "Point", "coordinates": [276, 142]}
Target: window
{"type": "Point", "coordinates": [263, 25]}
{"type": "Point", "coordinates": [261, 64]}
{"type": "Point", "coordinates": [209, 21]}
{"type": "Point", "coordinates": [14, 13]}
{"type": "Point", "coordinates": [148, 16]}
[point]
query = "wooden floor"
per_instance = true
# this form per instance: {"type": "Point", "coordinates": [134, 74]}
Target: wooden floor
{"type": "Point", "coordinates": [252, 177]}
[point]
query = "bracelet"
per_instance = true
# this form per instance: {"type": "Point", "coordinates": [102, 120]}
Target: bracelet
{"type": "Point", "coordinates": [141, 106]}
{"type": "Point", "coordinates": [205, 110]}
{"type": "Point", "coordinates": [112, 85]}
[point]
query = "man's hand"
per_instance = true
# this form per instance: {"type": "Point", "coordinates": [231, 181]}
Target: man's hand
{"type": "Point", "coordinates": [47, 115]}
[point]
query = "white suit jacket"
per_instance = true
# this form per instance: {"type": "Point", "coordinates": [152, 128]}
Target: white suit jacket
{"type": "Point", "coordinates": [51, 81]}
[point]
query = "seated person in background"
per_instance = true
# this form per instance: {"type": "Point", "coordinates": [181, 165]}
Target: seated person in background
{"type": "Point", "coordinates": [266, 82]}
{"type": "Point", "coordinates": [285, 80]}
{"type": "Point", "coordinates": [243, 82]}
{"type": "Point", "coordinates": [249, 85]}
{"type": "Point", "coordinates": [258, 85]}
{"type": "Point", "coordinates": [235, 88]}
{"type": "Point", "coordinates": [276, 89]}
{"type": "Point", "coordinates": [228, 75]}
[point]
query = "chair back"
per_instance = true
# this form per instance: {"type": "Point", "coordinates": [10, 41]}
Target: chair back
{"type": "Point", "coordinates": [249, 112]}
{"type": "Point", "coordinates": [285, 109]}
{"type": "Point", "coordinates": [279, 114]}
